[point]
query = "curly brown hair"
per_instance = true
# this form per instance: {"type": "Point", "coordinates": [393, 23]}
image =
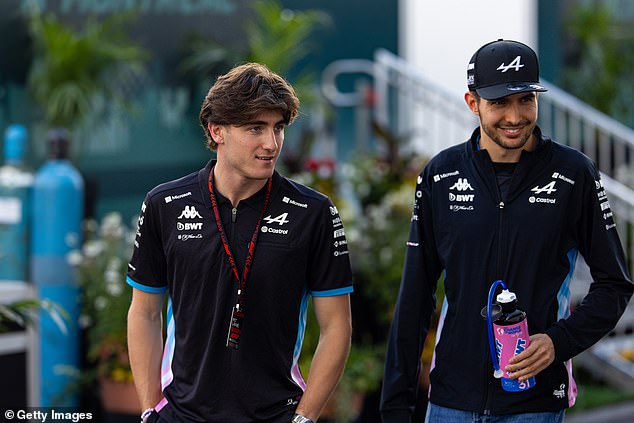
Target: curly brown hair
{"type": "Point", "coordinates": [244, 92]}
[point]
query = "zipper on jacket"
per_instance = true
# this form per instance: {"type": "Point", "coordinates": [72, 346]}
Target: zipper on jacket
{"type": "Point", "coordinates": [498, 259]}
{"type": "Point", "coordinates": [234, 217]}
{"type": "Point", "coordinates": [498, 271]}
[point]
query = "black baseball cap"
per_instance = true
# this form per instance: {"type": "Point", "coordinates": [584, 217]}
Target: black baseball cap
{"type": "Point", "coordinates": [502, 68]}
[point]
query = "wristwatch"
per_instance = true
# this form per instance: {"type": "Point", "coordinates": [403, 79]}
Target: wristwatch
{"type": "Point", "coordinates": [298, 418]}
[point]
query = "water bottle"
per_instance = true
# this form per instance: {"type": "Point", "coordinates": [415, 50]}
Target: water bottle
{"type": "Point", "coordinates": [15, 205]}
{"type": "Point", "coordinates": [511, 338]}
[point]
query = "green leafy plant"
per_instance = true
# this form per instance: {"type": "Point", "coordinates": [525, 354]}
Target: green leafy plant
{"type": "Point", "coordinates": [276, 37]}
{"type": "Point", "coordinates": [71, 69]}
{"type": "Point", "coordinates": [598, 63]}
{"type": "Point", "coordinates": [22, 314]}
{"type": "Point", "coordinates": [376, 220]}
{"type": "Point", "coordinates": [101, 267]}
{"type": "Point", "coordinates": [279, 38]}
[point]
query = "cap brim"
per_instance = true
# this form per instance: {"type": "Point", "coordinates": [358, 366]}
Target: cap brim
{"type": "Point", "coordinates": [506, 89]}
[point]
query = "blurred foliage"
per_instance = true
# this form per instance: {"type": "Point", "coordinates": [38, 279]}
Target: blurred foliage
{"type": "Point", "coordinates": [376, 218]}
{"type": "Point", "coordinates": [319, 174]}
{"type": "Point", "coordinates": [377, 230]}
{"type": "Point", "coordinates": [101, 267]}
{"type": "Point", "coordinates": [72, 70]}
{"type": "Point", "coordinates": [20, 315]}
{"type": "Point", "coordinates": [276, 37]}
{"type": "Point", "coordinates": [279, 38]}
{"type": "Point", "coordinates": [599, 60]}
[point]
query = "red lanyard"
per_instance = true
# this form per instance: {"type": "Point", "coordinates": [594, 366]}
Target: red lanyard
{"type": "Point", "coordinates": [237, 314]}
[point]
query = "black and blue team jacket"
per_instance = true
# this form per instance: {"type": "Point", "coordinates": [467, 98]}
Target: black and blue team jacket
{"type": "Point", "coordinates": [555, 209]}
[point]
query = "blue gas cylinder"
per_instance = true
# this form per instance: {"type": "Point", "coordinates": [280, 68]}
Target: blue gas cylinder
{"type": "Point", "coordinates": [58, 204]}
{"type": "Point", "coordinates": [16, 181]}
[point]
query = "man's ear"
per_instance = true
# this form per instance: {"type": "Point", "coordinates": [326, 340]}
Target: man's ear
{"type": "Point", "coordinates": [472, 102]}
{"type": "Point", "coordinates": [217, 132]}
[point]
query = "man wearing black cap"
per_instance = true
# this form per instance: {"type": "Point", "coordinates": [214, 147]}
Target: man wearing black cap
{"type": "Point", "coordinates": [509, 204]}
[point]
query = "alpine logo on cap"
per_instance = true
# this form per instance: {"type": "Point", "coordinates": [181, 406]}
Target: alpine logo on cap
{"type": "Point", "coordinates": [515, 64]}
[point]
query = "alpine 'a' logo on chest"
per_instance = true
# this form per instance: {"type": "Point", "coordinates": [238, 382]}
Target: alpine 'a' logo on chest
{"type": "Point", "coordinates": [277, 220]}
{"type": "Point", "coordinates": [280, 220]}
{"type": "Point", "coordinates": [548, 188]}
{"type": "Point", "coordinates": [543, 195]}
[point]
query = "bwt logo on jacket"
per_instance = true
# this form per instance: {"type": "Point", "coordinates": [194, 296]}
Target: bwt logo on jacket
{"type": "Point", "coordinates": [461, 197]}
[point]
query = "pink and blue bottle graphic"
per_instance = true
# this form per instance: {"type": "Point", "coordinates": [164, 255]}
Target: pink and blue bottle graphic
{"type": "Point", "coordinates": [508, 336]}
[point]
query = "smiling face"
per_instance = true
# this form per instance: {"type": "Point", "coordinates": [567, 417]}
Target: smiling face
{"type": "Point", "coordinates": [506, 124]}
{"type": "Point", "coordinates": [248, 153]}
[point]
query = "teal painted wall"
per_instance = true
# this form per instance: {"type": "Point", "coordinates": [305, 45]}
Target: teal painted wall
{"type": "Point", "coordinates": [123, 154]}
{"type": "Point", "coordinates": [550, 35]}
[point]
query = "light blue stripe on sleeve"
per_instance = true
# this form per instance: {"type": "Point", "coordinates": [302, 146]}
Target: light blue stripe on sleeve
{"type": "Point", "coordinates": [145, 288]}
{"type": "Point", "coordinates": [333, 292]}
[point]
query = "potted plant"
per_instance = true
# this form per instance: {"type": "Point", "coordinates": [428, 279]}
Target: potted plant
{"type": "Point", "coordinates": [101, 267]}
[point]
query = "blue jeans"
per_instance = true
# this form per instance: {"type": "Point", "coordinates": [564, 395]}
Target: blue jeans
{"type": "Point", "coordinates": [436, 413]}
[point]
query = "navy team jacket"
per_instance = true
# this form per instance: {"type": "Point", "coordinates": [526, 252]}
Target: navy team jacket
{"type": "Point", "coordinates": [555, 209]}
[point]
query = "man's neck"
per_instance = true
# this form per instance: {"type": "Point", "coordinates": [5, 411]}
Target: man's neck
{"type": "Point", "coordinates": [234, 186]}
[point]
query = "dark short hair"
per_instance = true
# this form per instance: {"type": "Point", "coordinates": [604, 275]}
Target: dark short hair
{"type": "Point", "coordinates": [244, 92]}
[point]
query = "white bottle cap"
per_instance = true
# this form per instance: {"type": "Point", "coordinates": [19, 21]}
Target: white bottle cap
{"type": "Point", "coordinates": [506, 296]}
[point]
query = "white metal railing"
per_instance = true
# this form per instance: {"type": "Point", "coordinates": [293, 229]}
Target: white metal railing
{"type": "Point", "coordinates": [606, 141]}
{"type": "Point", "coordinates": [430, 119]}
{"type": "Point", "coordinates": [416, 108]}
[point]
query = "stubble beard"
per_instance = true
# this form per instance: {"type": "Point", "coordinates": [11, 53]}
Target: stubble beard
{"type": "Point", "coordinates": [516, 144]}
